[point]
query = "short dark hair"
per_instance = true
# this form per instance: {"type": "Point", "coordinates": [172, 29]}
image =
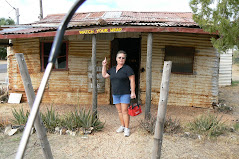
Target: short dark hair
{"type": "Point", "coordinates": [121, 52]}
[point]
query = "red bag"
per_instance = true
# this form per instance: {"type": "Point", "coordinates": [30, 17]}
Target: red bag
{"type": "Point", "coordinates": [134, 108]}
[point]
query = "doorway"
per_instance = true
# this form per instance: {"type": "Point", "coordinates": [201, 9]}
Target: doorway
{"type": "Point", "coordinates": [132, 46]}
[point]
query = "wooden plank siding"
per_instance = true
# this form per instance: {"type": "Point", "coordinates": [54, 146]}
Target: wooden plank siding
{"type": "Point", "coordinates": [199, 89]}
{"type": "Point", "coordinates": [71, 86]}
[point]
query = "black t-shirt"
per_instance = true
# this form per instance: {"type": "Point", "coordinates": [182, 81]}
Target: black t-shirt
{"type": "Point", "coordinates": [120, 81]}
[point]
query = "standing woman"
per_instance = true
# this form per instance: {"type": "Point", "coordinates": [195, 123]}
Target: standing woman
{"type": "Point", "coordinates": [123, 88]}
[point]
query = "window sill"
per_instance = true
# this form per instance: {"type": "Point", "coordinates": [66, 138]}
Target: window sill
{"type": "Point", "coordinates": [57, 70]}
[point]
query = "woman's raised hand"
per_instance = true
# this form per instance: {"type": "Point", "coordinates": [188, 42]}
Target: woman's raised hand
{"type": "Point", "coordinates": [104, 62]}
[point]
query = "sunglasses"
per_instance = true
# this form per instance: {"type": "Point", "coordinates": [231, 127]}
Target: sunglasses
{"type": "Point", "coordinates": [122, 58]}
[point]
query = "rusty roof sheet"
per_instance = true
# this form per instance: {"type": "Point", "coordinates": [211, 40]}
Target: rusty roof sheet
{"type": "Point", "coordinates": [108, 18]}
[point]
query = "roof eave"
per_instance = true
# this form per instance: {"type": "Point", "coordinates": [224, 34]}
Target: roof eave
{"type": "Point", "coordinates": [75, 31]}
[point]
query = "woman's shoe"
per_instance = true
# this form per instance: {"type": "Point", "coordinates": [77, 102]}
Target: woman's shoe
{"type": "Point", "coordinates": [120, 129]}
{"type": "Point", "coordinates": [126, 132]}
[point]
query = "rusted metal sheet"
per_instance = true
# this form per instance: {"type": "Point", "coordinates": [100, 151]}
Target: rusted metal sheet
{"type": "Point", "coordinates": [199, 89]}
{"type": "Point", "coordinates": [103, 19]}
{"type": "Point", "coordinates": [70, 86]}
{"type": "Point", "coordinates": [126, 17]}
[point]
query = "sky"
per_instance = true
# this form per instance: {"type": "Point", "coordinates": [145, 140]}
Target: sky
{"type": "Point", "coordinates": [29, 10]}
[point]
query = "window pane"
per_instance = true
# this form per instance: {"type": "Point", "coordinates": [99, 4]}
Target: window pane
{"type": "Point", "coordinates": [63, 50]}
{"type": "Point", "coordinates": [47, 49]}
{"type": "Point", "coordinates": [181, 57]}
{"type": "Point", "coordinates": [61, 59]}
{"type": "Point", "coordinates": [45, 61]}
{"type": "Point", "coordinates": [61, 62]}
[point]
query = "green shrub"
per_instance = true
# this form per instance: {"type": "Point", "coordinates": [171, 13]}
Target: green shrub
{"type": "Point", "coordinates": [51, 120]}
{"type": "Point", "coordinates": [208, 125]}
{"type": "Point", "coordinates": [20, 117]}
{"type": "Point", "coordinates": [170, 125]}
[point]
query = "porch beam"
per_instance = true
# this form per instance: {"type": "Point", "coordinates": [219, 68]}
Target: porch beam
{"type": "Point", "coordinates": [94, 76]}
{"type": "Point", "coordinates": [124, 29]}
{"type": "Point", "coordinates": [148, 75]}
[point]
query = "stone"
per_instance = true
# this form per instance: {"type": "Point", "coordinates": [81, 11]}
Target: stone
{"type": "Point", "coordinates": [7, 129]}
{"type": "Point", "coordinates": [63, 131]}
{"type": "Point", "coordinates": [12, 132]}
{"type": "Point", "coordinates": [57, 130]}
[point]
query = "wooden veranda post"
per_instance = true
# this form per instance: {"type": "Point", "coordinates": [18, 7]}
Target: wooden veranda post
{"type": "Point", "coordinates": [94, 76]}
{"type": "Point", "coordinates": [38, 124]}
{"type": "Point", "coordinates": [162, 107]}
{"type": "Point", "coordinates": [148, 75]}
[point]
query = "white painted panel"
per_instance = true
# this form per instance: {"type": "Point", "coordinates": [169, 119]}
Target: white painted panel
{"type": "Point", "coordinates": [225, 69]}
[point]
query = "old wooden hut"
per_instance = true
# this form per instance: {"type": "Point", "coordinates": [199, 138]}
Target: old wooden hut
{"type": "Point", "coordinates": [175, 37]}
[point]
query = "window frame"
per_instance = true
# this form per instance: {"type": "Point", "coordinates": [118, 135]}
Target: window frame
{"type": "Point", "coordinates": [181, 47]}
{"type": "Point", "coordinates": [43, 56]}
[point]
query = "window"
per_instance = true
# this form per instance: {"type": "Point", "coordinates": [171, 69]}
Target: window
{"type": "Point", "coordinates": [182, 58]}
{"type": "Point", "coordinates": [61, 60]}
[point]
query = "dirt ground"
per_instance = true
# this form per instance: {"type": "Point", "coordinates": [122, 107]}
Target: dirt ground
{"type": "Point", "coordinates": [108, 144]}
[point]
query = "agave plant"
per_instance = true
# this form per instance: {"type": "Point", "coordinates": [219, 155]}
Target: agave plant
{"type": "Point", "coordinates": [87, 119]}
{"type": "Point", "coordinates": [20, 117]}
{"type": "Point", "coordinates": [51, 120]}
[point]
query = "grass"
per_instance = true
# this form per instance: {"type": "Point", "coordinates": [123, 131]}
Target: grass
{"type": "Point", "coordinates": [209, 125]}
{"type": "Point", "coordinates": [235, 83]}
{"type": "Point", "coordinates": [236, 127]}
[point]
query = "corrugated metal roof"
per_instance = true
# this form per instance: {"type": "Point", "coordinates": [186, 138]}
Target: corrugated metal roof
{"type": "Point", "coordinates": [26, 30]}
{"type": "Point", "coordinates": [104, 18]}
